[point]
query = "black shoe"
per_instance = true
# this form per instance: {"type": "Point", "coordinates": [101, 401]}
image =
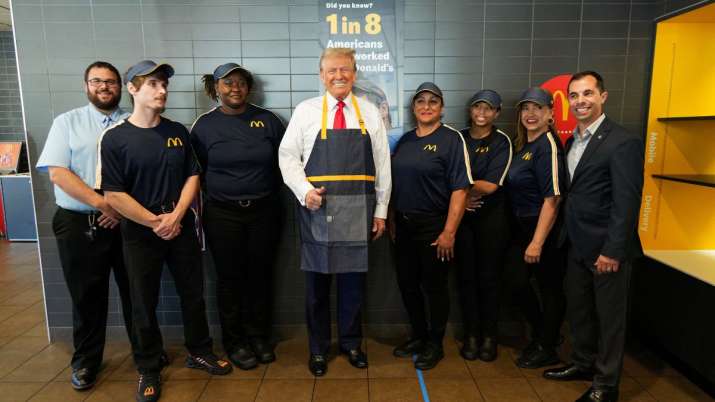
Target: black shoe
{"type": "Point", "coordinates": [429, 357]}
{"type": "Point", "coordinates": [409, 348]}
{"type": "Point", "coordinates": [488, 349]}
{"type": "Point", "coordinates": [538, 358]}
{"type": "Point", "coordinates": [470, 348]}
{"type": "Point", "coordinates": [598, 395]}
{"type": "Point", "coordinates": [263, 351]}
{"type": "Point", "coordinates": [210, 363]}
{"type": "Point", "coordinates": [318, 365]}
{"type": "Point", "coordinates": [149, 389]}
{"type": "Point", "coordinates": [357, 357]}
{"type": "Point", "coordinates": [83, 379]}
{"type": "Point", "coordinates": [570, 372]}
{"type": "Point", "coordinates": [243, 358]}
{"type": "Point", "coordinates": [164, 359]}
{"type": "Point", "coordinates": [530, 348]}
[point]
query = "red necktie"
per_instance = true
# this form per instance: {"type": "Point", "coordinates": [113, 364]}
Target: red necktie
{"type": "Point", "coordinates": [339, 121]}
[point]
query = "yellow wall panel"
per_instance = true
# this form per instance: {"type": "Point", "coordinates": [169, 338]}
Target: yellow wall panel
{"type": "Point", "coordinates": [681, 216]}
{"type": "Point", "coordinates": [686, 220]}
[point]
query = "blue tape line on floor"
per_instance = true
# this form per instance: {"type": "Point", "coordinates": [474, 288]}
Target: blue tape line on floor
{"type": "Point", "coordinates": [421, 379]}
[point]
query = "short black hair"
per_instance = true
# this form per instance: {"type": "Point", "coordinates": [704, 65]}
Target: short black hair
{"type": "Point", "coordinates": [102, 64]}
{"type": "Point", "coordinates": [583, 74]}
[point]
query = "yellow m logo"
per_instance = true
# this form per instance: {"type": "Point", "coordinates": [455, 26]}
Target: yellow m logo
{"type": "Point", "coordinates": [564, 104]}
{"type": "Point", "coordinates": [149, 391]}
{"type": "Point", "coordinates": [527, 156]}
{"type": "Point", "coordinates": [430, 148]}
{"type": "Point", "coordinates": [481, 150]}
{"type": "Point", "coordinates": [174, 142]}
{"type": "Point", "coordinates": [256, 123]}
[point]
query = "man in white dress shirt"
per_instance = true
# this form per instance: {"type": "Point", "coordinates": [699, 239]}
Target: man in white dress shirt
{"type": "Point", "coordinates": [335, 158]}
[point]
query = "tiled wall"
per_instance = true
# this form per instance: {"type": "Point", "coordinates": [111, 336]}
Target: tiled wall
{"type": "Point", "coordinates": [10, 110]}
{"type": "Point", "coordinates": [461, 45]}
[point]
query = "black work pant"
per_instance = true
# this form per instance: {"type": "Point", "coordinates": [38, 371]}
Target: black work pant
{"type": "Point", "coordinates": [597, 310]}
{"type": "Point", "coordinates": [421, 276]}
{"type": "Point", "coordinates": [482, 242]}
{"type": "Point", "coordinates": [87, 261]}
{"type": "Point", "coordinates": [243, 243]}
{"type": "Point", "coordinates": [145, 254]}
{"type": "Point", "coordinates": [351, 297]}
{"type": "Point", "coordinates": [545, 314]}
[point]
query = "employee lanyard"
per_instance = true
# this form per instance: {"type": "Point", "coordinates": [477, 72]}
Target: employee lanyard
{"type": "Point", "coordinates": [324, 127]}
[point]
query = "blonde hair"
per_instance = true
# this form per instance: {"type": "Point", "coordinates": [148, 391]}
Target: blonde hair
{"type": "Point", "coordinates": [330, 52]}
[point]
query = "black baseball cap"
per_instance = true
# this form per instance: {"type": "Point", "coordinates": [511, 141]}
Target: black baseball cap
{"type": "Point", "coordinates": [537, 95]}
{"type": "Point", "coordinates": [226, 69]}
{"type": "Point", "coordinates": [146, 67]}
{"type": "Point", "coordinates": [486, 95]}
{"type": "Point", "coordinates": [428, 87]}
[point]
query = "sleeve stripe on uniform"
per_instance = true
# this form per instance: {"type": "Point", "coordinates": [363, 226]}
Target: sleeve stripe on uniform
{"type": "Point", "coordinates": [466, 154]}
{"type": "Point", "coordinates": [98, 170]}
{"type": "Point", "coordinates": [508, 162]}
{"type": "Point", "coordinates": [554, 163]}
{"type": "Point", "coordinates": [200, 116]}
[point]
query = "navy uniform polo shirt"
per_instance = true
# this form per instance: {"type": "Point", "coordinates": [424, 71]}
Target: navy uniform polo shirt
{"type": "Point", "coordinates": [238, 153]}
{"type": "Point", "coordinates": [149, 164]}
{"type": "Point", "coordinates": [537, 172]}
{"type": "Point", "coordinates": [426, 170]}
{"type": "Point", "coordinates": [490, 159]}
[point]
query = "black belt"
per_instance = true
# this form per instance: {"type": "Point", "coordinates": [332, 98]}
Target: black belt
{"type": "Point", "coordinates": [243, 204]}
{"type": "Point", "coordinates": [80, 213]}
{"type": "Point", "coordinates": [165, 208]}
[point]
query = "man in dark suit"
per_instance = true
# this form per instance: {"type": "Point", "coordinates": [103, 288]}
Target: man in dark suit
{"type": "Point", "coordinates": [605, 163]}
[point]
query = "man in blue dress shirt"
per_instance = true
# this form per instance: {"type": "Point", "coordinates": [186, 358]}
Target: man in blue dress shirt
{"type": "Point", "coordinates": [85, 225]}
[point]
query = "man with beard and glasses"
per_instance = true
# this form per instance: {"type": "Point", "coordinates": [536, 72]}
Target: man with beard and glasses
{"type": "Point", "coordinates": [85, 225]}
{"type": "Point", "coordinates": [150, 175]}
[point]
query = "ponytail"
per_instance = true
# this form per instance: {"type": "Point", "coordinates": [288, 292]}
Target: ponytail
{"type": "Point", "coordinates": [210, 86]}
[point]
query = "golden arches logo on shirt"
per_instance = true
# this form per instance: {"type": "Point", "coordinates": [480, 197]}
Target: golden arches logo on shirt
{"type": "Point", "coordinates": [256, 123]}
{"type": "Point", "coordinates": [482, 150]}
{"type": "Point", "coordinates": [527, 156]}
{"type": "Point", "coordinates": [430, 148]}
{"type": "Point", "coordinates": [564, 121]}
{"type": "Point", "coordinates": [174, 142]}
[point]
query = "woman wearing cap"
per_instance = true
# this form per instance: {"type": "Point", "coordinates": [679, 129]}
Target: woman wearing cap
{"type": "Point", "coordinates": [431, 178]}
{"type": "Point", "coordinates": [483, 236]}
{"type": "Point", "coordinates": [237, 144]}
{"type": "Point", "coordinates": [536, 184]}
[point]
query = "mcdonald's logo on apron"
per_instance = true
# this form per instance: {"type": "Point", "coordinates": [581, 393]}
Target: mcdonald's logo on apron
{"type": "Point", "coordinates": [334, 239]}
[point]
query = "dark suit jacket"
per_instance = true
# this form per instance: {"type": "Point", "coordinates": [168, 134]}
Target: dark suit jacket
{"type": "Point", "coordinates": [603, 203]}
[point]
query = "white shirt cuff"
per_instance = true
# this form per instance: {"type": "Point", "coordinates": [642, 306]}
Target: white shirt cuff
{"type": "Point", "coordinates": [380, 211]}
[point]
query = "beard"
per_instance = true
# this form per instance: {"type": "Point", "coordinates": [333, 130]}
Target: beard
{"type": "Point", "coordinates": [110, 104]}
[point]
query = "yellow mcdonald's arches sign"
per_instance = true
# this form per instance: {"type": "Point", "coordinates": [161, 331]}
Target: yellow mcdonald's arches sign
{"type": "Point", "coordinates": [174, 142]}
{"type": "Point", "coordinates": [430, 148]}
{"type": "Point", "coordinates": [563, 120]}
{"type": "Point", "coordinates": [256, 123]}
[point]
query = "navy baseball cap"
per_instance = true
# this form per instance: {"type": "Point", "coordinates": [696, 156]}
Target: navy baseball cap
{"type": "Point", "coordinates": [226, 69]}
{"type": "Point", "coordinates": [146, 67]}
{"type": "Point", "coordinates": [486, 95]}
{"type": "Point", "coordinates": [428, 87]}
{"type": "Point", "coordinates": [537, 95]}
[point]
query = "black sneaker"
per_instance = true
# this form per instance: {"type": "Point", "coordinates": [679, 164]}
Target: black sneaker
{"type": "Point", "coordinates": [429, 356]}
{"type": "Point", "coordinates": [149, 389]}
{"type": "Point", "coordinates": [210, 363]}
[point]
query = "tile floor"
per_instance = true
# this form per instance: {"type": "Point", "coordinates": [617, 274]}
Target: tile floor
{"type": "Point", "coordinates": [31, 369]}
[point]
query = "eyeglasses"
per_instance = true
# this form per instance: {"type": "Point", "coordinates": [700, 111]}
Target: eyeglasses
{"type": "Point", "coordinates": [96, 82]}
